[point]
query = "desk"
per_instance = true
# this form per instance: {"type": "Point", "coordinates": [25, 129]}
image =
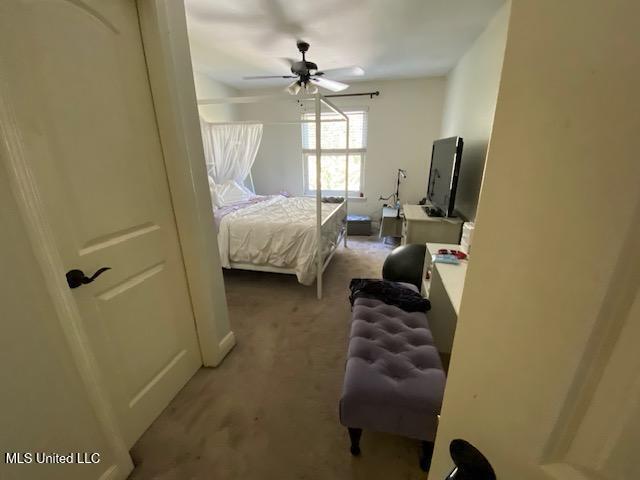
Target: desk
{"type": "Point", "coordinates": [418, 227]}
{"type": "Point", "coordinates": [390, 224]}
{"type": "Point", "coordinates": [444, 291]}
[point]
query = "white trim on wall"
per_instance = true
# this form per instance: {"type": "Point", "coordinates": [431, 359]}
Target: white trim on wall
{"type": "Point", "coordinates": [164, 34]}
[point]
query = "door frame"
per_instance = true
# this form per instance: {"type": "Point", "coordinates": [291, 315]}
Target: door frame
{"type": "Point", "coordinates": [166, 46]}
{"type": "Point", "coordinates": [165, 41]}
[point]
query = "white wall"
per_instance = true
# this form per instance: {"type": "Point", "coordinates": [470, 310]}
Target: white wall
{"type": "Point", "coordinates": [471, 94]}
{"type": "Point", "coordinates": [207, 88]}
{"type": "Point", "coordinates": [403, 123]}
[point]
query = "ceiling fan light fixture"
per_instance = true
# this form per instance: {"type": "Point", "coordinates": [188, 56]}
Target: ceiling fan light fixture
{"type": "Point", "coordinates": [310, 88]}
{"type": "Point", "coordinates": [309, 77]}
{"type": "Point", "coordinates": [294, 88]}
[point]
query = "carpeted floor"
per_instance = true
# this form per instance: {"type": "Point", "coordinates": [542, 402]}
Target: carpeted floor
{"type": "Point", "coordinates": [270, 411]}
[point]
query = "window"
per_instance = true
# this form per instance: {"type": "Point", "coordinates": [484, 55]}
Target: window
{"type": "Point", "coordinates": [333, 149]}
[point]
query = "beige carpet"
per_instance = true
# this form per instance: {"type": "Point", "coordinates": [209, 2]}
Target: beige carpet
{"type": "Point", "coordinates": [270, 411]}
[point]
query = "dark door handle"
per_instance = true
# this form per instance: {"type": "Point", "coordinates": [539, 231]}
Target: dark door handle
{"type": "Point", "coordinates": [470, 463]}
{"type": "Point", "coordinates": [77, 278]}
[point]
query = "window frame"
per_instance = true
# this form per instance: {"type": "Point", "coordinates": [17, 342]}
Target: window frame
{"type": "Point", "coordinates": [306, 152]}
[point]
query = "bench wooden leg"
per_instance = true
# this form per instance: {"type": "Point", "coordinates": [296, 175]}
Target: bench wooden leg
{"type": "Point", "coordinates": [354, 435]}
{"type": "Point", "coordinates": [425, 456]}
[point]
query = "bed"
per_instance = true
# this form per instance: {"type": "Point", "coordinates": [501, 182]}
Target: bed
{"type": "Point", "coordinates": [278, 234]}
{"type": "Point", "coordinates": [296, 235]}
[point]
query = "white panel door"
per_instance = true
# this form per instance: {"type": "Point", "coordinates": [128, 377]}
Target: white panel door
{"type": "Point", "coordinates": [76, 73]}
{"type": "Point", "coordinates": [545, 368]}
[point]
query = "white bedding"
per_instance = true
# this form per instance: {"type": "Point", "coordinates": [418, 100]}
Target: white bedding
{"type": "Point", "coordinates": [278, 232]}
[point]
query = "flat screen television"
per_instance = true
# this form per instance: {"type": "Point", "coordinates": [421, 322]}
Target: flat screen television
{"type": "Point", "coordinates": [443, 176]}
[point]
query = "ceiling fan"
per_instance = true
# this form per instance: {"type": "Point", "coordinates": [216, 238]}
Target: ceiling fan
{"type": "Point", "coordinates": [309, 78]}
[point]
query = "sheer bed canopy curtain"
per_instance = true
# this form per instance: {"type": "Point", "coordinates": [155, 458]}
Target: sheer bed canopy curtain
{"type": "Point", "coordinates": [230, 150]}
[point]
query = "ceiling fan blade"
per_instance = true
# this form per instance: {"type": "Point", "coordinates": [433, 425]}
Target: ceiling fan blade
{"type": "Point", "coordinates": [289, 61]}
{"type": "Point", "coordinates": [352, 71]}
{"type": "Point", "coordinates": [329, 84]}
{"type": "Point", "coordinates": [206, 14]}
{"type": "Point", "coordinates": [260, 77]}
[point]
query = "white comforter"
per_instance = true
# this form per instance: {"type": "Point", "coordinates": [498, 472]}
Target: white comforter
{"type": "Point", "coordinates": [278, 232]}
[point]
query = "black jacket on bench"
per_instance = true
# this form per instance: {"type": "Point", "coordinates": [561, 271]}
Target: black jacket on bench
{"type": "Point", "coordinates": [391, 293]}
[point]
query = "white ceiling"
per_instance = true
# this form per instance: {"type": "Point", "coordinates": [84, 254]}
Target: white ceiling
{"type": "Point", "coordinates": [388, 38]}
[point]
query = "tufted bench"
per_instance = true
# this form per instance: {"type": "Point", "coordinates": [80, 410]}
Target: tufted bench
{"type": "Point", "coordinates": [394, 381]}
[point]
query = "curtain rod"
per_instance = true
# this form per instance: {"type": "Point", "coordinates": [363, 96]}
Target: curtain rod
{"type": "Point", "coordinates": [368, 94]}
{"type": "Point", "coordinates": [279, 97]}
{"type": "Point", "coordinates": [274, 122]}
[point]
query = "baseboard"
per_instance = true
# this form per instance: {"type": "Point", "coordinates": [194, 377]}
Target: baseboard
{"type": "Point", "coordinates": [225, 346]}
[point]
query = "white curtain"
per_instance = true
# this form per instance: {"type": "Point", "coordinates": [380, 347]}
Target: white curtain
{"type": "Point", "coordinates": [230, 150]}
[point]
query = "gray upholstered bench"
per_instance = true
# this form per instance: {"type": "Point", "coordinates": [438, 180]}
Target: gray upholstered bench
{"type": "Point", "coordinates": [394, 381]}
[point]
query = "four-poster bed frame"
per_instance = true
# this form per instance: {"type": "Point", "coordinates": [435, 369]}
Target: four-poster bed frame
{"type": "Point", "coordinates": [319, 100]}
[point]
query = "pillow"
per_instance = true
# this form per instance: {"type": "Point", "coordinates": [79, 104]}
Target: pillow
{"type": "Point", "coordinates": [230, 192]}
